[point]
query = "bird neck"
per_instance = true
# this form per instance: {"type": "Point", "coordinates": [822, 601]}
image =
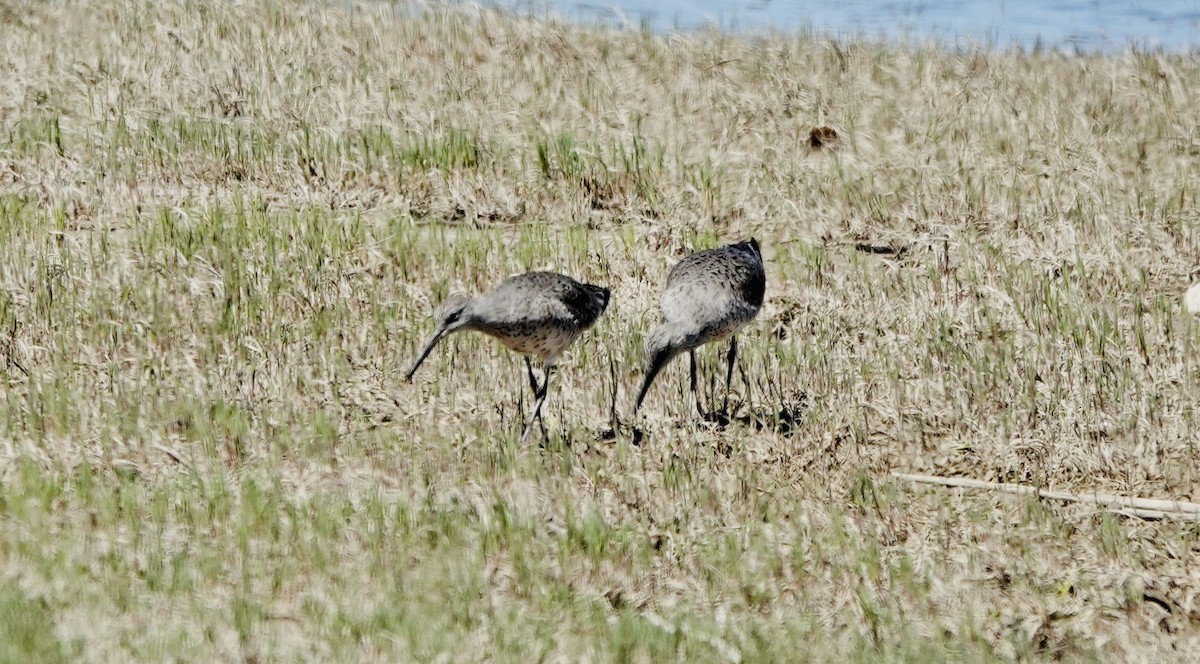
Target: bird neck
{"type": "Point", "coordinates": [681, 337]}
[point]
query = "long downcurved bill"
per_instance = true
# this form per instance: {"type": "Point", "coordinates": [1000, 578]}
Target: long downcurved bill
{"type": "Point", "coordinates": [433, 341]}
{"type": "Point", "coordinates": [651, 372]}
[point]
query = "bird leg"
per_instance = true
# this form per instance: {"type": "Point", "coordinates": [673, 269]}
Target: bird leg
{"type": "Point", "coordinates": [533, 385]}
{"type": "Point", "coordinates": [612, 411]}
{"type": "Point", "coordinates": [729, 358]}
{"type": "Point", "coordinates": [540, 396]}
{"type": "Point", "coordinates": [532, 381]}
{"type": "Point", "coordinates": [692, 376]}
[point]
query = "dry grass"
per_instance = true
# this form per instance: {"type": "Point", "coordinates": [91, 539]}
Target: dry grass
{"type": "Point", "coordinates": [224, 227]}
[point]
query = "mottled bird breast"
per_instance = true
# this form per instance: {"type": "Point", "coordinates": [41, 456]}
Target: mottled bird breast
{"type": "Point", "coordinates": [546, 343]}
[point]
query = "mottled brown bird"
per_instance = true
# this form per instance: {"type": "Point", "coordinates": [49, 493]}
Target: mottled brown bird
{"type": "Point", "coordinates": [710, 295]}
{"type": "Point", "coordinates": [537, 313]}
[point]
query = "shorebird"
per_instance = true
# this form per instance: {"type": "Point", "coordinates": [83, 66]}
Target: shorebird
{"type": "Point", "coordinates": [537, 313]}
{"type": "Point", "coordinates": [710, 295]}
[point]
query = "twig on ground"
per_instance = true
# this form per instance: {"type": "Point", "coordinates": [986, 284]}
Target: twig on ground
{"type": "Point", "coordinates": [174, 456]}
{"type": "Point", "coordinates": [1145, 508]}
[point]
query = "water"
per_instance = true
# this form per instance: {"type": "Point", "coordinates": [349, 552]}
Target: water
{"type": "Point", "coordinates": [1084, 25]}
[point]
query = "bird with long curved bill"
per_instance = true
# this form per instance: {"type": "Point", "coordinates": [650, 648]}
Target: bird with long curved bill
{"type": "Point", "coordinates": [710, 295]}
{"type": "Point", "coordinates": [535, 314]}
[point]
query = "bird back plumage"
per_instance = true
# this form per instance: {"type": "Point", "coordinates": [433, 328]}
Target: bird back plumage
{"type": "Point", "coordinates": [718, 291]}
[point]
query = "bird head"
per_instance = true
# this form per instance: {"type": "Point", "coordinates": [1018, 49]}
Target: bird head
{"type": "Point", "coordinates": [453, 314]}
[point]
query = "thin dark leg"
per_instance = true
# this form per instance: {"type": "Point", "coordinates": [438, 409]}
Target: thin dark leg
{"type": "Point", "coordinates": [533, 385]}
{"type": "Point", "coordinates": [541, 422]}
{"type": "Point", "coordinates": [532, 381]}
{"type": "Point", "coordinates": [729, 357]}
{"type": "Point", "coordinates": [692, 375]}
{"type": "Point", "coordinates": [540, 395]}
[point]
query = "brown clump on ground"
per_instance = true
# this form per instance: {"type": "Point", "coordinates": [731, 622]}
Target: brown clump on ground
{"type": "Point", "coordinates": [823, 138]}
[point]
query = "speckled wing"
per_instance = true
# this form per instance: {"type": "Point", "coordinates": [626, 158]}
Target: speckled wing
{"type": "Point", "coordinates": [541, 298]}
{"type": "Point", "coordinates": [582, 302]}
{"type": "Point", "coordinates": [539, 313]}
{"type": "Point", "coordinates": [718, 290]}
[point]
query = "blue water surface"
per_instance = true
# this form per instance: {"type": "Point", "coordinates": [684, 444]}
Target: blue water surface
{"type": "Point", "coordinates": [1077, 25]}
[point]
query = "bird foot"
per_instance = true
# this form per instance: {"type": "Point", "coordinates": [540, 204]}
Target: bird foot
{"type": "Point", "coordinates": [719, 417]}
{"type": "Point", "coordinates": [635, 435]}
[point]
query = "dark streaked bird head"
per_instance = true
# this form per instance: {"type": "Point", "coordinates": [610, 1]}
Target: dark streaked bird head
{"type": "Point", "coordinates": [452, 315]}
{"type": "Point", "coordinates": [662, 345]}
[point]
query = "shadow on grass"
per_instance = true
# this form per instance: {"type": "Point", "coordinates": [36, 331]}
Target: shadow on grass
{"type": "Point", "coordinates": [784, 420]}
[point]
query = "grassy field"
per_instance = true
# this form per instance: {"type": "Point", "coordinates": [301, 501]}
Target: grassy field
{"type": "Point", "coordinates": [224, 227]}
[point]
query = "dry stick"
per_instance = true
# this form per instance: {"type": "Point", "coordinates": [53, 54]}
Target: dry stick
{"type": "Point", "coordinates": [1154, 515]}
{"type": "Point", "coordinates": [1141, 507]}
{"type": "Point", "coordinates": [172, 454]}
